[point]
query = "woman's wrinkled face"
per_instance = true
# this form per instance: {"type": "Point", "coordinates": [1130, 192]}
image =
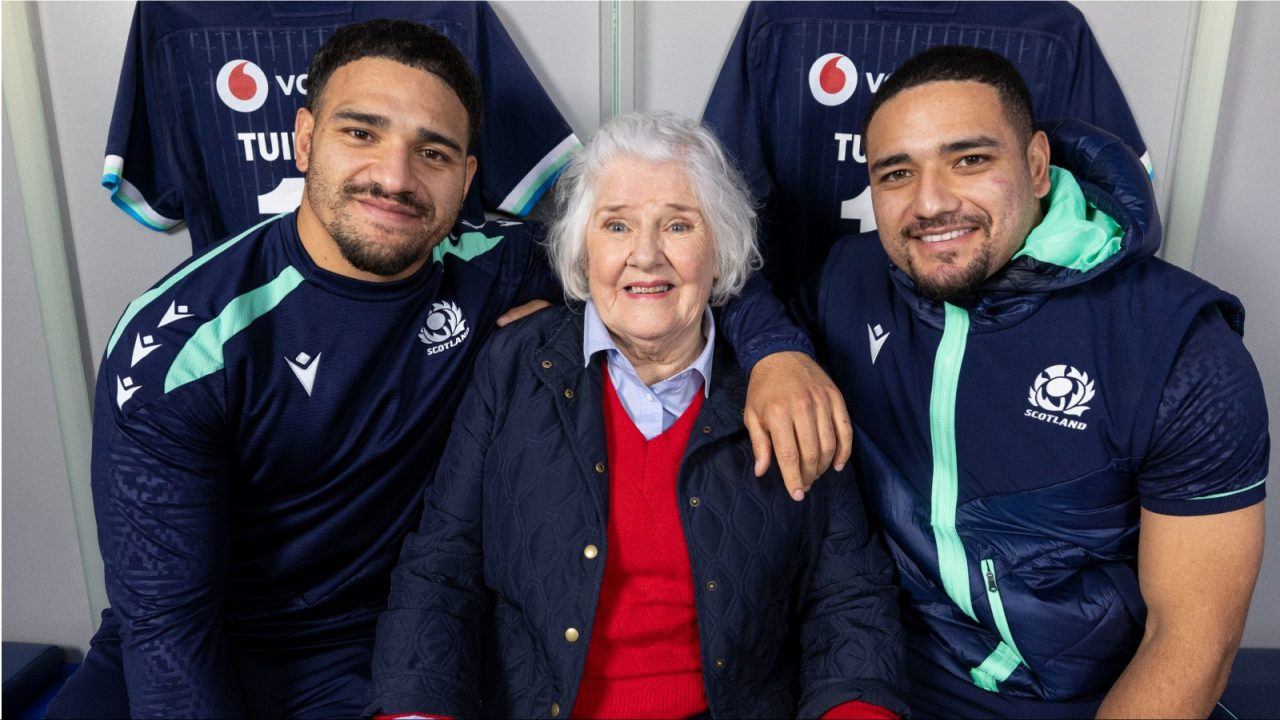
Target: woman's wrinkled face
{"type": "Point", "coordinates": [650, 256]}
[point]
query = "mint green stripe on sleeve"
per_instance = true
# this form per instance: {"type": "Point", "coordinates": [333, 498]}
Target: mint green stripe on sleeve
{"type": "Point", "coordinates": [1229, 493]}
{"type": "Point", "coordinates": [202, 354]}
{"type": "Point", "coordinates": [149, 296]}
{"type": "Point", "coordinates": [953, 565]}
{"type": "Point", "coordinates": [544, 181]}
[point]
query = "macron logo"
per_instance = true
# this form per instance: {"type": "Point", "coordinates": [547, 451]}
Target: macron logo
{"type": "Point", "coordinates": [142, 347]}
{"type": "Point", "coordinates": [876, 336]}
{"type": "Point", "coordinates": [125, 389]}
{"type": "Point", "coordinates": [304, 367]}
{"type": "Point", "coordinates": [175, 313]}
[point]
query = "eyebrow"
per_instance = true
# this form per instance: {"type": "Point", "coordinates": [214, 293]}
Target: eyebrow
{"type": "Point", "coordinates": [382, 122]}
{"type": "Point", "coordinates": [674, 206]}
{"type": "Point", "coordinates": [971, 143]}
{"type": "Point", "coordinates": [895, 159]}
{"type": "Point", "coordinates": [962, 145]}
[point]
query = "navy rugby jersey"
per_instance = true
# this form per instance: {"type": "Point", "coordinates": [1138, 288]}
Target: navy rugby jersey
{"type": "Point", "coordinates": [202, 130]}
{"type": "Point", "coordinates": [263, 429]}
{"type": "Point", "coordinates": [794, 90]}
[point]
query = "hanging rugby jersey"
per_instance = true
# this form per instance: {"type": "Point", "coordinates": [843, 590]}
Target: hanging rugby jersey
{"type": "Point", "coordinates": [203, 125]}
{"type": "Point", "coordinates": [794, 90]}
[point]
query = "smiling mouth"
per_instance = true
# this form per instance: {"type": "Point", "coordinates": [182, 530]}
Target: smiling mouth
{"type": "Point", "coordinates": [388, 208]}
{"type": "Point", "coordinates": [944, 236]}
{"type": "Point", "coordinates": [648, 289]}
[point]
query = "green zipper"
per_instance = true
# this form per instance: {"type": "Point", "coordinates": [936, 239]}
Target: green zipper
{"type": "Point", "coordinates": [1001, 663]}
{"type": "Point", "coordinates": [952, 563]}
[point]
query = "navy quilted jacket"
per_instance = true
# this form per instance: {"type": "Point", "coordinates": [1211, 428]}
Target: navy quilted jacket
{"type": "Point", "coordinates": [1009, 441]}
{"type": "Point", "coordinates": [802, 616]}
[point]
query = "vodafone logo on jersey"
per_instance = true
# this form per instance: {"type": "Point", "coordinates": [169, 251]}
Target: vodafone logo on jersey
{"type": "Point", "coordinates": [832, 79]}
{"type": "Point", "coordinates": [242, 86]}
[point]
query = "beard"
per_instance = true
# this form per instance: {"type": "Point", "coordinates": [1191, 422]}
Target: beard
{"type": "Point", "coordinates": [955, 280]}
{"type": "Point", "coordinates": [367, 246]}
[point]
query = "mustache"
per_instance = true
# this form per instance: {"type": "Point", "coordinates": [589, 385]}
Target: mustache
{"type": "Point", "coordinates": [373, 189]}
{"type": "Point", "coordinates": [924, 225]}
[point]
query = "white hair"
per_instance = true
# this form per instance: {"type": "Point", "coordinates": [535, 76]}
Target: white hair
{"type": "Point", "coordinates": [657, 137]}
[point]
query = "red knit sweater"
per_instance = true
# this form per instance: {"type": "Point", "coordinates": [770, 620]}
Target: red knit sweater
{"type": "Point", "coordinates": [644, 658]}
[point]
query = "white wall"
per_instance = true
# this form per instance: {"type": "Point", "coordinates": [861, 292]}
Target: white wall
{"type": "Point", "coordinates": [1238, 249]}
{"type": "Point", "coordinates": [679, 48]}
{"type": "Point", "coordinates": [44, 588]}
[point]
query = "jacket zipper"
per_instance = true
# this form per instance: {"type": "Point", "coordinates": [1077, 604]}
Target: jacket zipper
{"type": "Point", "coordinates": [1001, 663]}
{"type": "Point", "coordinates": [953, 565]}
{"type": "Point", "coordinates": [953, 562]}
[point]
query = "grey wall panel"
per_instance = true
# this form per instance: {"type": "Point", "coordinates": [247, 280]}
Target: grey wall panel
{"type": "Point", "coordinates": [1148, 46]}
{"type": "Point", "coordinates": [680, 47]}
{"type": "Point", "coordinates": [44, 587]}
{"type": "Point", "coordinates": [561, 42]}
{"type": "Point", "coordinates": [1238, 250]}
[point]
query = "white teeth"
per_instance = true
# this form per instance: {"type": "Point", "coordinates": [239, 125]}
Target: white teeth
{"type": "Point", "coordinates": [944, 236]}
{"type": "Point", "coordinates": [648, 290]}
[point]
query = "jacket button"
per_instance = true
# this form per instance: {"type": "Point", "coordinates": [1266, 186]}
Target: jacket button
{"type": "Point", "coordinates": [600, 467]}
{"type": "Point", "coordinates": [568, 393]}
{"type": "Point", "coordinates": [546, 364]}
{"type": "Point", "coordinates": [706, 429]}
{"type": "Point", "coordinates": [694, 501]}
{"type": "Point", "coordinates": [571, 634]}
{"type": "Point", "coordinates": [555, 709]}
{"type": "Point", "coordinates": [590, 552]}
{"type": "Point", "coordinates": [711, 585]}
{"type": "Point", "coordinates": [721, 663]}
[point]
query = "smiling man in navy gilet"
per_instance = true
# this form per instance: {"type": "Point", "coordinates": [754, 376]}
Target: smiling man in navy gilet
{"type": "Point", "coordinates": [1062, 436]}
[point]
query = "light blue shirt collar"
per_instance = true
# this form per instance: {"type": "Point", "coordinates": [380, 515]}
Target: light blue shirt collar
{"type": "Point", "coordinates": [654, 408]}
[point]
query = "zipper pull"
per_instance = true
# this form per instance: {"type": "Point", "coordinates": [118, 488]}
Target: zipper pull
{"type": "Point", "coordinates": [991, 581]}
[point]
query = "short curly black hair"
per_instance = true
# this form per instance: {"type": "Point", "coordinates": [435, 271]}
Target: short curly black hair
{"type": "Point", "coordinates": [959, 63]}
{"type": "Point", "coordinates": [405, 42]}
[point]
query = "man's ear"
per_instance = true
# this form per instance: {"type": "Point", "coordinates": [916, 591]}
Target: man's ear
{"type": "Point", "coordinates": [1038, 161]}
{"type": "Point", "coordinates": [472, 164]}
{"type": "Point", "coordinates": [303, 125]}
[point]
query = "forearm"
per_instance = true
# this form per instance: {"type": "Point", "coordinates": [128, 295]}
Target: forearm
{"type": "Point", "coordinates": [181, 672]}
{"type": "Point", "coordinates": [161, 505]}
{"type": "Point", "coordinates": [1173, 675]}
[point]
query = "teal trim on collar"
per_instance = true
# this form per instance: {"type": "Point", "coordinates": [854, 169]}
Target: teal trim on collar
{"type": "Point", "coordinates": [1074, 234]}
{"type": "Point", "coordinates": [469, 246]}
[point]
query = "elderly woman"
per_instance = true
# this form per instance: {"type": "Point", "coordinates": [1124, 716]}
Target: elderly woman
{"type": "Point", "coordinates": [596, 543]}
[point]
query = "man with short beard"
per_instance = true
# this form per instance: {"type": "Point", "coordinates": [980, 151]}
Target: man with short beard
{"type": "Point", "coordinates": [268, 415]}
{"type": "Point", "coordinates": [1063, 437]}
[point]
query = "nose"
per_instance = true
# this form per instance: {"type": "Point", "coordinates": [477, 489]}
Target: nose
{"type": "Point", "coordinates": [393, 169]}
{"type": "Point", "coordinates": [646, 248]}
{"type": "Point", "coordinates": [934, 195]}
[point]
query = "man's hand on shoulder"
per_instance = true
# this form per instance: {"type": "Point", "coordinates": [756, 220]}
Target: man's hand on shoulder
{"type": "Point", "coordinates": [520, 312]}
{"type": "Point", "coordinates": [796, 414]}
